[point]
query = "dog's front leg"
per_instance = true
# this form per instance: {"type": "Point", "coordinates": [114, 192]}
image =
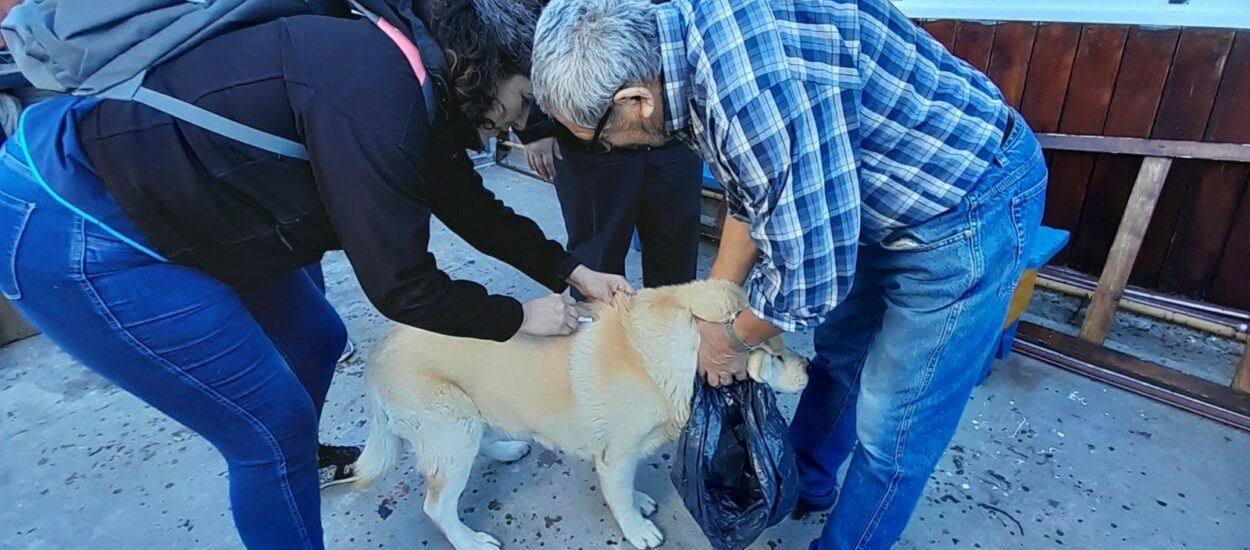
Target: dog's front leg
{"type": "Point", "coordinates": [616, 474]}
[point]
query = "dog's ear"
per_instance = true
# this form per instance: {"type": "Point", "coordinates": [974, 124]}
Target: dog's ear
{"type": "Point", "coordinates": [713, 300]}
{"type": "Point", "coordinates": [774, 345]}
{"type": "Point", "coordinates": [755, 365]}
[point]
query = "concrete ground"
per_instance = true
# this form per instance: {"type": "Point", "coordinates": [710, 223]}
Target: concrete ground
{"type": "Point", "coordinates": [1042, 459]}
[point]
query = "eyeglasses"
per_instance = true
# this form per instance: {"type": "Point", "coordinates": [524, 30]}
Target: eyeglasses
{"type": "Point", "coordinates": [597, 146]}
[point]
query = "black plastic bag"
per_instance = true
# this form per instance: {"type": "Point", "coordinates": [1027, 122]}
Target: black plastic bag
{"type": "Point", "coordinates": [734, 465]}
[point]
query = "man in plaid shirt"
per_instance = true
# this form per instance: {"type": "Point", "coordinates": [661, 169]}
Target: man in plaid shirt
{"type": "Point", "coordinates": [881, 193]}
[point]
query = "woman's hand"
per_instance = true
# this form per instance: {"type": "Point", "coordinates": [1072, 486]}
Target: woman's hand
{"type": "Point", "coordinates": [552, 315]}
{"type": "Point", "coordinates": [541, 155]}
{"type": "Point", "coordinates": [599, 287]}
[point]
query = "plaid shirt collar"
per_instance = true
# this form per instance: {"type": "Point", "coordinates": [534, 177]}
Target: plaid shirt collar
{"type": "Point", "coordinates": [675, 73]}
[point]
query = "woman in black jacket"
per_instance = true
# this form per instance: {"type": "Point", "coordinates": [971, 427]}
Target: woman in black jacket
{"type": "Point", "coordinates": [169, 259]}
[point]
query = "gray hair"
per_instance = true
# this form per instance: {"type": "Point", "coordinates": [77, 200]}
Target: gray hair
{"type": "Point", "coordinates": [585, 50]}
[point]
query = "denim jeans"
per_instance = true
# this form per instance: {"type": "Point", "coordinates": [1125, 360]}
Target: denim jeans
{"type": "Point", "coordinates": [897, 360]}
{"type": "Point", "coordinates": [248, 369]}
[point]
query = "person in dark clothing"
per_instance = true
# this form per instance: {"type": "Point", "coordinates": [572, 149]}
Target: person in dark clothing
{"type": "Point", "coordinates": [170, 260]}
{"type": "Point", "coordinates": [606, 194]}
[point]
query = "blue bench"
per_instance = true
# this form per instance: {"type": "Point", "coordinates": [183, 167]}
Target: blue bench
{"type": "Point", "coordinates": [1045, 245]}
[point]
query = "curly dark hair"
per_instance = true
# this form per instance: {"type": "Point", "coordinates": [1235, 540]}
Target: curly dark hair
{"type": "Point", "coordinates": [486, 42]}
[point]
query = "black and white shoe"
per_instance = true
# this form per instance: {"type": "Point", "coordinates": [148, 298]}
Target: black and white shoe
{"type": "Point", "coordinates": [335, 464]}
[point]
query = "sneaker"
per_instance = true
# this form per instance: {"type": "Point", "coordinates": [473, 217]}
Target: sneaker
{"type": "Point", "coordinates": [348, 351]}
{"type": "Point", "coordinates": [334, 464]}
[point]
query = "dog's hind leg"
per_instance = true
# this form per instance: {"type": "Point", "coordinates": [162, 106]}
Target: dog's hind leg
{"type": "Point", "coordinates": [616, 473]}
{"type": "Point", "coordinates": [446, 442]}
{"type": "Point", "coordinates": [504, 450]}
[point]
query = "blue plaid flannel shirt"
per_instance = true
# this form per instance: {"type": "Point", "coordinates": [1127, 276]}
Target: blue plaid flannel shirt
{"type": "Point", "coordinates": [830, 124]}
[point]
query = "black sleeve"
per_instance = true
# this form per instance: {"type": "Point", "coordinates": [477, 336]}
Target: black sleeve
{"type": "Point", "coordinates": [540, 126]}
{"type": "Point", "coordinates": [372, 190]}
{"type": "Point", "coordinates": [332, 8]}
{"type": "Point", "coordinates": [460, 200]}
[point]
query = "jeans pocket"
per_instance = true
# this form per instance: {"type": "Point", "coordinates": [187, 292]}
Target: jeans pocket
{"type": "Point", "coordinates": [949, 228]}
{"type": "Point", "coordinates": [14, 216]}
{"type": "Point", "coordinates": [906, 242]}
{"type": "Point", "coordinates": [1026, 216]}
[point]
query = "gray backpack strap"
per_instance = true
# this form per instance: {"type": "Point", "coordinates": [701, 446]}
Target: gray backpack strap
{"type": "Point", "coordinates": [218, 124]}
{"type": "Point", "coordinates": [103, 48]}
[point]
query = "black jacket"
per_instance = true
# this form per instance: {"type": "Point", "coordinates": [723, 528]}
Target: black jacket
{"type": "Point", "coordinates": [378, 169]}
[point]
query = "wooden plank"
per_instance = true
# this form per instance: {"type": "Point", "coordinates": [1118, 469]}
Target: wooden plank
{"type": "Point", "coordinates": [1065, 193]}
{"type": "Point", "coordinates": [1146, 62]}
{"type": "Point", "coordinates": [1203, 228]}
{"type": "Point", "coordinates": [1093, 78]}
{"type": "Point", "coordinates": [974, 43]}
{"type": "Point", "coordinates": [1229, 287]}
{"type": "Point", "coordinates": [1009, 64]}
{"type": "Point", "coordinates": [1094, 71]}
{"type": "Point", "coordinates": [1170, 386]}
{"type": "Point", "coordinates": [1144, 68]}
{"type": "Point", "coordinates": [1241, 380]}
{"type": "Point", "coordinates": [1193, 83]}
{"type": "Point", "coordinates": [1128, 238]}
{"type": "Point", "coordinates": [1188, 98]}
{"type": "Point", "coordinates": [943, 30]}
{"type": "Point", "coordinates": [1230, 121]}
{"type": "Point", "coordinates": [1230, 118]}
{"type": "Point", "coordinates": [1045, 89]}
{"type": "Point", "coordinates": [1226, 152]}
{"type": "Point", "coordinates": [1109, 187]}
{"type": "Point", "coordinates": [1158, 240]}
{"type": "Point", "coordinates": [1046, 86]}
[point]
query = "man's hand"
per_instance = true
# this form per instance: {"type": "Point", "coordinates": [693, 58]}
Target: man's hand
{"type": "Point", "coordinates": [599, 287]}
{"type": "Point", "coordinates": [541, 155]}
{"type": "Point", "coordinates": [551, 315]}
{"type": "Point", "coordinates": [721, 360]}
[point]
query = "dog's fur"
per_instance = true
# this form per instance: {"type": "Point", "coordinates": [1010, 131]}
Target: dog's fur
{"type": "Point", "coordinates": [614, 392]}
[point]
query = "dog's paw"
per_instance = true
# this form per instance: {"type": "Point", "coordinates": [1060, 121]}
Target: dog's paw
{"type": "Point", "coordinates": [646, 505]}
{"type": "Point", "coordinates": [644, 535]}
{"type": "Point", "coordinates": [507, 451]}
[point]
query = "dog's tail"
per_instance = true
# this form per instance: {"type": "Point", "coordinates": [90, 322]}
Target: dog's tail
{"type": "Point", "coordinates": [382, 448]}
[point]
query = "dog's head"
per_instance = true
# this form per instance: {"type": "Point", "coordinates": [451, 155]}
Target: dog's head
{"type": "Point", "coordinates": [774, 364]}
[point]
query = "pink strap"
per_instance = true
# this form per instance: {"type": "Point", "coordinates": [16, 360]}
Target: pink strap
{"type": "Point", "coordinates": [406, 46]}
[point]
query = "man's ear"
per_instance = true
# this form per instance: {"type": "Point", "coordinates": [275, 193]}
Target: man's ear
{"type": "Point", "coordinates": [636, 97]}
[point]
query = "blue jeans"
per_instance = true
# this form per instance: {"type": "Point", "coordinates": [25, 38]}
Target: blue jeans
{"type": "Point", "coordinates": [897, 360]}
{"type": "Point", "coordinates": [248, 369]}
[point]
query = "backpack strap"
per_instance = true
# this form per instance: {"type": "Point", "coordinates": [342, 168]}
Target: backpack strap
{"type": "Point", "coordinates": [411, 52]}
{"type": "Point", "coordinates": [218, 124]}
{"type": "Point", "coordinates": [133, 90]}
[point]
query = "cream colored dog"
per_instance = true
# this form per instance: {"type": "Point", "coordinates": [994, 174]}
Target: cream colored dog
{"type": "Point", "coordinates": [613, 392]}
